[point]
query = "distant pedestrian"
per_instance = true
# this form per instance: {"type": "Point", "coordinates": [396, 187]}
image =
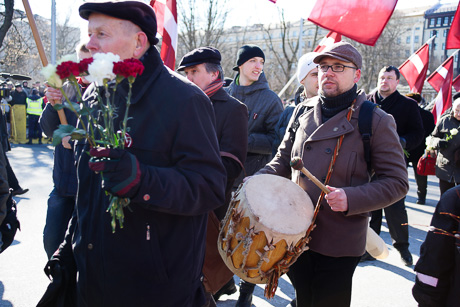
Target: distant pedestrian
{"type": "Point", "coordinates": [35, 106]}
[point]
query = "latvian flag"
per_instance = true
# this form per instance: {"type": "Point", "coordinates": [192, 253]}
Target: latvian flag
{"type": "Point", "coordinates": [415, 68]}
{"type": "Point", "coordinates": [441, 81]}
{"type": "Point", "coordinates": [328, 40]}
{"type": "Point", "coordinates": [166, 13]}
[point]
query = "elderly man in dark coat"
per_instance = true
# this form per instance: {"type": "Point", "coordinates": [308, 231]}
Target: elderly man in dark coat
{"type": "Point", "coordinates": [171, 171]}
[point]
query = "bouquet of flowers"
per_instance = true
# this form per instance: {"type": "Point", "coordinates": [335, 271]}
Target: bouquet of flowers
{"type": "Point", "coordinates": [107, 72]}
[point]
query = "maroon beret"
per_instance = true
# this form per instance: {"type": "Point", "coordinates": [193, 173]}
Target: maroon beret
{"type": "Point", "coordinates": [139, 13]}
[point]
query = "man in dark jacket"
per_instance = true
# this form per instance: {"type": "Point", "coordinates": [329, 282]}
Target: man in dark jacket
{"type": "Point", "coordinates": [307, 75]}
{"type": "Point", "coordinates": [202, 67]}
{"type": "Point", "coordinates": [35, 106]}
{"type": "Point", "coordinates": [61, 201]}
{"type": "Point", "coordinates": [438, 269]}
{"type": "Point", "coordinates": [251, 87]}
{"type": "Point", "coordinates": [410, 131]}
{"type": "Point", "coordinates": [170, 170]}
{"type": "Point", "coordinates": [417, 152]}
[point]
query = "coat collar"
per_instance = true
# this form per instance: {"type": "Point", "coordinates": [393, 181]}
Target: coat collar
{"type": "Point", "coordinates": [220, 95]}
{"type": "Point", "coordinates": [334, 127]}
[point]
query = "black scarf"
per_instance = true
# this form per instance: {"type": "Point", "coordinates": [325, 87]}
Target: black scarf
{"type": "Point", "coordinates": [331, 106]}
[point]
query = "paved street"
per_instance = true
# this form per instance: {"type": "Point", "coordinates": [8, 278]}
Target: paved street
{"type": "Point", "coordinates": [22, 281]}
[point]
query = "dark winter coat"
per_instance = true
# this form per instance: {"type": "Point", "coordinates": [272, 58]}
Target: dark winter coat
{"type": "Point", "coordinates": [285, 117]}
{"type": "Point", "coordinates": [428, 127]}
{"type": "Point", "coordinates": [440, 256]}
{"type": "Point", "coordinates": [343, 234]}
{"type": "Point", "coordinates": [4, 189]}
{"type": "Point", "coordinates": [264, 108]}
{"type": "Point", "coordinates": [232, 135]}
{"type": "Point", "coordinates": [64, 169]}
{"type": "Point", "coordinates": [407, 117]}
{"type": "Point", "coordinates": [446, 169]}
{"type": "Point", "coordinates": [156, 259]}
{"type": "Point", "coordinates": [19, 98]}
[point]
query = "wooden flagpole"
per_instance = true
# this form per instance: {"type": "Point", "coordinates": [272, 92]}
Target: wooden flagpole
{"type": "Point", "coordinates": [41, 50]}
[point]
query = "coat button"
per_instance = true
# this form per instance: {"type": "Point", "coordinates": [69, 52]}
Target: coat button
{"type": "Point", "coordinates": [90, 246]}
{"type": "Point", "coordinates": [308, 147]}
{"type": "Point", "coordinates": [328, 150]}
{"type": "Point", "coordinates": [146, 197]}
{"type": "Point", "coordinates": [335, 129]}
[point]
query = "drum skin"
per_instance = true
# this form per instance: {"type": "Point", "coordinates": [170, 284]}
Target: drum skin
{"type": "Point", "coordinates": [253, 238]}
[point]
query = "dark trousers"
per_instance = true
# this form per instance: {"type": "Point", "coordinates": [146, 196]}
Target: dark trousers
{"type": "Point", "coordinates": [34, 128]}
{"type": "Point", "coordinates": [322, 280]}
{"type": "Point", "coordinates": [396, 215]}
{"type": "Point", "coordinates": [445, 185]}
{"type": "Point", "coordinates": [422, 182]}
{"type": "Point", "coordinates": [12, 180]}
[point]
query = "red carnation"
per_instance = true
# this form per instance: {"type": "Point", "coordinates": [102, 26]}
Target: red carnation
{"type": "Point", "coordinates": [128, 68]}
{"type": "Point", "coordinates": [83, 65]}
{"type": "Point", "coordinates": [67, 69]}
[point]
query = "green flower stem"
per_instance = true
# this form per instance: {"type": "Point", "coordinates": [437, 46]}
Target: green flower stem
{"type": "Point", "coordinates": [88, 137]}
{"type": "Point", "coordinates": [125, 119]}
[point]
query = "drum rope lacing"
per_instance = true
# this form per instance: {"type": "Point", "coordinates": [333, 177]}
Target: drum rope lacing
{"type": "Point", "coordinates": [291, 256]}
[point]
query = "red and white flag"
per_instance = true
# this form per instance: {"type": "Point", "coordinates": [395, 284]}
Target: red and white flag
{"type": "Point", "coordinates": [360, 20]}
{"type": "Point", "coordinates": [453, 38]}
{"type": "Point", "coordinates": [414, 69]}
{"type": "Point", "coordinates": [328, 40]}
{"type": "Point", "coordinates": [456, 83]}
{"type": "Point", "coordinates": [166, 12]}
{"type": "Point", "coordinates": [441, 81]}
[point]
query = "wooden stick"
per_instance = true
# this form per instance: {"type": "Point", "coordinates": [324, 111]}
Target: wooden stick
{"type": "Point", "coordinates": [41, 50]}
{"type": "Point", "coordinates": [297, 164]}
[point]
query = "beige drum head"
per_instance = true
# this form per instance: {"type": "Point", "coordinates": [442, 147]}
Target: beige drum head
{"type": "Point", "coordinates": [279, 207]}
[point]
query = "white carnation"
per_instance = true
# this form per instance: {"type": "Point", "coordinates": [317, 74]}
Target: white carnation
{"type": "Point", "coordinates": [102, 68]}
{"type": "Point", "coordinates": [68, 58]}
{"type": "Point", "coordinates": [454, 131]}
{"type": "Point", "coordinates": [49, 72]}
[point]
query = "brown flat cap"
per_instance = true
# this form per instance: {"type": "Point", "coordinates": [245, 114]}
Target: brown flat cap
{"type": "Point", "coordinates": [342, 51]}
{"type": "Point", "coordinates": [139, 13]}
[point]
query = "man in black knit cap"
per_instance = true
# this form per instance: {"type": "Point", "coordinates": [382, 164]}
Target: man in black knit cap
{"type": "Point", "coordinates": [322, 275]}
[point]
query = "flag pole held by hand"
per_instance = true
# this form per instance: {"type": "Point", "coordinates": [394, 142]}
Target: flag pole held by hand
{"type": "Point", "coordinates": [297, 164]}
{"type": "Point", "coordinates": [41, 50]}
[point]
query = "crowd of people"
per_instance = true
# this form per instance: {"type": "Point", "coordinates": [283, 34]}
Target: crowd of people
{"type": "Point", "coordinates": [206, 136]}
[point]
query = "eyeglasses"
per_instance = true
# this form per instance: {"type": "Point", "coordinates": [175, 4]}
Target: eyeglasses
{"type": "Point", "coordinates": [334, 68]}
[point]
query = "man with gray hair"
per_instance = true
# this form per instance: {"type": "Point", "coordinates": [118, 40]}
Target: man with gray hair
{"type": "Point", "coordinates": [170, 170]}
{"type": "Point", "coordinates": [330, 145]}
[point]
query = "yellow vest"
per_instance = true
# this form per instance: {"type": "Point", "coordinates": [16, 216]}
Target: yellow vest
{"type": "Point", "coordinates": [34, 107]}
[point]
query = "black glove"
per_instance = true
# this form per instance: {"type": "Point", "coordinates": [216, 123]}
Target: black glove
{"type": "Point", "coordinates": [443, 144]}
{"type": "Point", "coordinates": [121, 172]}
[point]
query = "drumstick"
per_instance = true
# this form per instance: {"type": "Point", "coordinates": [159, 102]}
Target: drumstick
{"type": "Point", "coordinates": [297, 164]}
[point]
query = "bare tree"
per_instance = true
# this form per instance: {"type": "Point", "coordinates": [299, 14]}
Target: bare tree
{"type": "Point", "coordinates": [387, 51]}
{"type": "Point", "coordinates": [283, 45]}
{"type": "Point", "coordinates": [19, 51]}
{"type": "Point", "coordinates": [201, 23]}
{"type": "Point", "coordinates": [7, 16]}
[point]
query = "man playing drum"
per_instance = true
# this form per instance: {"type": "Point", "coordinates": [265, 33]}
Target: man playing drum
{"type": "Point", "coordinates": [323, 274]}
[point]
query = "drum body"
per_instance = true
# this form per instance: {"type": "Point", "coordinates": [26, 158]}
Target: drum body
{"type": "Point", "coordinates": [267, 217]}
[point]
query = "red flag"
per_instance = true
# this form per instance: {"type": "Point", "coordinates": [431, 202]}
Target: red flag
{"type": "Point", "coordinates": [329, 39]}
{"type": "Point", "coordinates": [274, 1]}
{"type": "Point", "coordinates": [166, 13]}
{"type": "Point", "coordinates": [360, 20]}
{"type": "Point", "coordinates": [414, 69]}
{"type": "Point", "coordinates": [456, 83]}
{"type": "Point", "coordinates": [441, 81]}
{"type": "Point", "coordinates": [453, 38]}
